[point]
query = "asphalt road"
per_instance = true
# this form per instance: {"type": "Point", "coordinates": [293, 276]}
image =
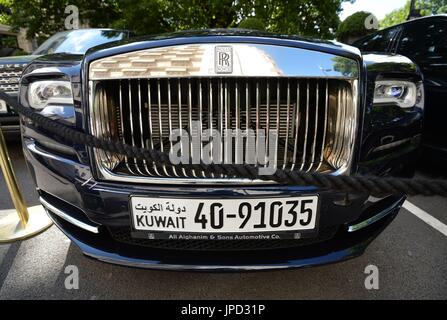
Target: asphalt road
{"type": "Point", "coordinates": [410, 254]}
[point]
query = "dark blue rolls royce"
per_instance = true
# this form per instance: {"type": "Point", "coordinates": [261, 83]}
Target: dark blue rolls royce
{"type": "Point", "coordinates": [221, 96]}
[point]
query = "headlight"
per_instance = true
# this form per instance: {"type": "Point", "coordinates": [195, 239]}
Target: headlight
{"type": "Point", "coordinates": [49, 93]}
{"type": "Point", "coordinates": [405, 94]}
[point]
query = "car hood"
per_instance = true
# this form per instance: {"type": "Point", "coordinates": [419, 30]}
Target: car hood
{"type": "Point", "coordinates": [17, 59]}
{"type": "Point", "coordinates": [185, 36]}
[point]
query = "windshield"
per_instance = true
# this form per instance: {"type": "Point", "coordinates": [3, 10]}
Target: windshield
{"type": "Point", "coordinates": [78, 41]}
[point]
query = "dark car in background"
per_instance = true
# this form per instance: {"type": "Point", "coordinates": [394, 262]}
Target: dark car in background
{"type": "Point", "coordinates": [336, 111]}
{"type": "Point", "coordinates": [424, 41]}
{"type": "Point", "coordinates": [9, 45]}
{"type": "Point", "coordinates": [74, 41]}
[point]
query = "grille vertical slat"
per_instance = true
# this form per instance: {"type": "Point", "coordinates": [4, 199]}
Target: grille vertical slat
{"type": "Point", "coordinates": [160, 125]}
{"type": "Point", "coordinates": [151, 126]}
{"type": "Point", "coordinates": [131, 121]}
{"type": "Point", "coordinates": [296, 124]}
{"type": "Point", "coordinates": [211, 119]}
{"type": "Point", "coordinates": [323, 141]}
{"type": "Point", "coordinates": [314, 142]}
{"type": "Point", "coordinates": [221, 120]}
{"type": "Point", "coordinates": [201, 124]}
{"type": "Point", "coordinates": [310, 117]}
{"type": "Point", "coordinates": [170, 120]}
{"type": "Point", "coordinates": [267, 123]}
{"type": "Point", "coordinates": [303, 161]}
{"type": "Point", "coordinates": [238, 157]}
{"type": "Point", "coordinates": [257, 118]}
{"type": "Point", "coordinates": [121, 123]}
{"type": "Point", "coordinates": [345, 119]}
{"type": "Point", "coordinates": [191, 148]}
{"type": "Point", "coordinates": [226, 123]}
{"type": "Point", "coordinates": [179, 105]}
{"type": "Point", "coordinates": [140, 116]}
{"type": "Point", "coordinates": [278, 109]}
{"type": "Point", "coordinates": [340, 122]}
{"type": "Point", "coordinates": [286, 143]}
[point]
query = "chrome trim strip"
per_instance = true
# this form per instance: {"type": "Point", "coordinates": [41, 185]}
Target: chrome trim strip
{"type": "Point", "coordinates": [373, 219]}
{"type": "Point", "coordinates": [392, 145]}
{"type": "Point", "coordinates": [68, 218]}
{"type": "Point", "coordinates": [158, 266]}
{"type": "Point", "coordinates": [31, 146]}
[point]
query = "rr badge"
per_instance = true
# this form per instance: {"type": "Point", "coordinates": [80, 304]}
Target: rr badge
{"type": "Point", "coordinates": [223, 57]}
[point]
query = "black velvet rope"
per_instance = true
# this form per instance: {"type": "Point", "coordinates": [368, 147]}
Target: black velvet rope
{"type": "Point", "coordinates": [373, 185]}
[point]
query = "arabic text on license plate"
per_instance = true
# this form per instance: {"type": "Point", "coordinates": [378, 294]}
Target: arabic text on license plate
{"type": "Point", "coordinates": [224, 215]}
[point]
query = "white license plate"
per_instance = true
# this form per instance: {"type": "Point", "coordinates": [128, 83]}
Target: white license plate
{"type": "Point", "coordinates": [224, 215]}
{"type": "Point", "coordinates": [3, 108]}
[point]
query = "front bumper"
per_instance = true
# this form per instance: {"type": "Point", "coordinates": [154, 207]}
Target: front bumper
{"type": "Point", "coordinates": [85, 210]}
{"type": "Point", "coordinates": [343, 246]}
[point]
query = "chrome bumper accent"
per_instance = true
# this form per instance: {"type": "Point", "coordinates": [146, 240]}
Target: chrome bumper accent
{"type": "Point", "coordinates": [373, 219]}
{"type": "Point", "coordinates": [179, 267]}
{"type": "Point", "coordinates": [68, 218]}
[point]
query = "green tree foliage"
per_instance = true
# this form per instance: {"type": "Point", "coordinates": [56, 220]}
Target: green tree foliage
{"type": "Point", "coordinates": [5, 11]}
{"type": "Point", "coordinates": [396, 16]}
{"type": "Point", "coordinates": [426, 7]}
{"type": "Point", "coordinates": [252, 23]}
{"type": "Point", "coordinates": [354, 26]}
{"type": "Point", "coordinates": [142, 17]}
{"type": "Point", "coordinates": [42, 18]}
{"type": "Point", "coordinates": [318, 18]}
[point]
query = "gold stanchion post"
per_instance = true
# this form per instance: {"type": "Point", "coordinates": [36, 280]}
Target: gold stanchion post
{"type": "Point", "coordinates": [23, 222]}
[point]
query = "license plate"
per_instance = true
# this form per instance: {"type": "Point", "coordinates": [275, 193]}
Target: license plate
{"type": "Point", "coordinates": [3, 108]}
{"type": "Point", "coordinates": [219, 218]}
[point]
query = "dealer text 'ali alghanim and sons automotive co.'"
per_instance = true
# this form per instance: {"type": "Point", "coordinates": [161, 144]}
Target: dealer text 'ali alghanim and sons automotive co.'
{"type": "Point", "coordinates": [221, 97]}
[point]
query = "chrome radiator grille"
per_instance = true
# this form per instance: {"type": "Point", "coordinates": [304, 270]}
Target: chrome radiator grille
{"type": "Point", "coordinates": [10, 76]}
{"type": "Point", "coordinates": [314, 118]}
